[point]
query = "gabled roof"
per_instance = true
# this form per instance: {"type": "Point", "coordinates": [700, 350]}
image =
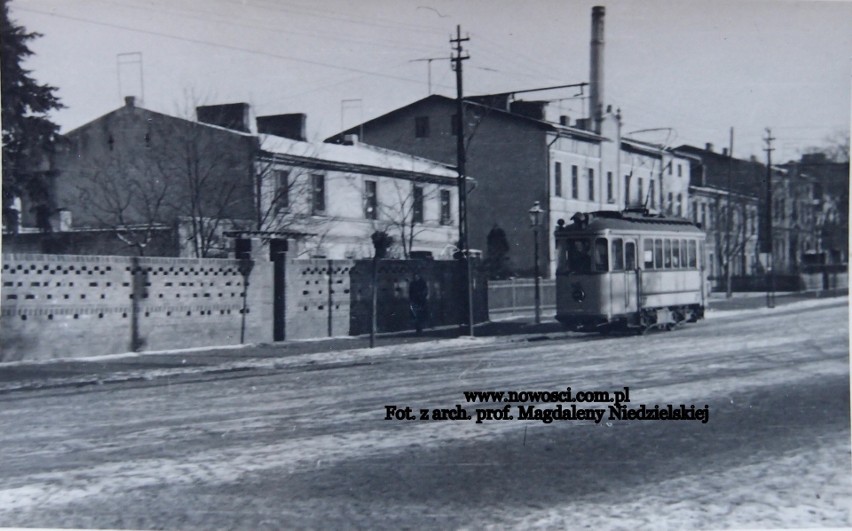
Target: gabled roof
{"type": "Point", "coordinates": [437, 98]}
{"type": "Point", "coordinates": [125, 108]}
{"type": "Point", "coordinates": [357, 158]}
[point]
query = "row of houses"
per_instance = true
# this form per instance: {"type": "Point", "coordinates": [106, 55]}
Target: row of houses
{"type": "Point", "coordinates": [804, 223]}
{"type": "Point", "coordinates": [135, 181]}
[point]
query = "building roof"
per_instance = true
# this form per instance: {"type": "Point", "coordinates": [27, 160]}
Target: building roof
{"type": "Point", "coordinates": [356, 158]}
{"type": "Point", "coordinates": [135, 107]}
{"type": "Point", "coordinates": [470, 102]}
{"type": "Point", "coordinates": [717, 191]}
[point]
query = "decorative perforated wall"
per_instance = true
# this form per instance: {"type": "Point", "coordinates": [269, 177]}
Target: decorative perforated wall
{"type": "Point", "coordinates": [70, 306]}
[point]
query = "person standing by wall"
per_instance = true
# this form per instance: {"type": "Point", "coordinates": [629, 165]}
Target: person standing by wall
{"type": "Point", "coordinates": [418, 298]}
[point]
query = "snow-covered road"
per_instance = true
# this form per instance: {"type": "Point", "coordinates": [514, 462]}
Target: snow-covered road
{"type": "Point", "coordinates": [302, 441]}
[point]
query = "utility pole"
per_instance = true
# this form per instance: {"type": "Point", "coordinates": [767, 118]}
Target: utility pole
{"type": "Point", "coordinates": [767, 244]}
{"type": "Point", "coordinates": [728, 220]}
{"type": "Point", "coordinates": [457, 62]}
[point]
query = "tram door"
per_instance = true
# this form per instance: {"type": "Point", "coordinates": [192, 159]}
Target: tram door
{"type": "Point", "coordinates": [623, 276]}
{"type": "Point", "coordinates": [631, 275]}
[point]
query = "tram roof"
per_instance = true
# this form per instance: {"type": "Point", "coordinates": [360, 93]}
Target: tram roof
{"type": "Point", "coordinates": [628, 220]}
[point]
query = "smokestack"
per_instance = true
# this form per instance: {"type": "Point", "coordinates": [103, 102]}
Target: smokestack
{"type": "Point", "coordinates": [596, 65]}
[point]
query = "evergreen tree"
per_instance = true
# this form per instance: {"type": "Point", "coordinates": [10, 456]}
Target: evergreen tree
{"type": "Point", "coordinates": [497, 254]}
{"type": "Point", "coordinates": [29, 137]}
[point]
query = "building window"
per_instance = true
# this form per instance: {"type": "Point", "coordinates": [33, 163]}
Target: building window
{"type": "Point", "coordinates": [704, 215]}
{"type": "Point", "coordinates": [557, 179]}
{"type": "Point", "coordinates": [421, 127]}
{"type": "Point", "coordinates": [679, 205]}
{"type": "Point", "coordinates": [671, 163]}
{"type": "Point", "coordinates": [679, 170]}
{"type": "Point", "coordinates": [671, 203]}
{"type": "Point", "coordinates": [591, 184]}
{"type": "Point", "coordinates": [626, 190]}
{"type": "Point", "coordinates": [651, 193]}
{"type": "Point", "coordinates": [317, 194]}
{"type": "Point", "coordinates": [609, 197]}
{"type": "Point", "coordinates": [641, 199]}
{"type": "Point", "coordinates": [282, 190]}
{"type": "Point", "coordinates": [445, 207]}
{"type": "Point", "coordinates": [575, 181]}
{"type": "Point", "coordinates": [371, 200]}
{"type": "Point", "coordinates": [417, 204]}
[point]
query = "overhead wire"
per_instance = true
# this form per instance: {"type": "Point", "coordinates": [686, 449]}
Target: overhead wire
{"type": "Point", "coordinates": [209, 16]}
{"type": "Point", "coordinates": [224, 46]}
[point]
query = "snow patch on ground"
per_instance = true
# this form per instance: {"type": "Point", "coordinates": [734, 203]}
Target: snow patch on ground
{"type": "Point", "coordinates": [772, 492]}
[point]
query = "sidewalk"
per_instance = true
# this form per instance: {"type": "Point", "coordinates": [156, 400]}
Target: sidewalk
{"type": "Point", "coordinates": [130, 367]}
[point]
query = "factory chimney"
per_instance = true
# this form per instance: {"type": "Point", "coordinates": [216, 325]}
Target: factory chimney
{"type": "Point", "coordinates": [596, 65]}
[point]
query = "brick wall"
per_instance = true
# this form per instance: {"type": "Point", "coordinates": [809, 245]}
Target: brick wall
{"type": "Point", "coordinates": [315, 298]}
{"type": "Point", "coordinates": [73, 306]}
{"type": "Point", "coordinates": [61, 306]}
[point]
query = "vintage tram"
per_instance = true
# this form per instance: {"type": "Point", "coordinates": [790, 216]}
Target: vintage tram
{"type": "Point", "coordinates": [629, 270]}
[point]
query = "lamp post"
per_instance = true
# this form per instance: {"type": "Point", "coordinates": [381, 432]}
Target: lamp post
{"type": "Point", "coordinates": [535, 221]}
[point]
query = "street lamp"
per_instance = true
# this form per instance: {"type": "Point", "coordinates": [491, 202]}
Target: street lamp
{"type": "Point", "coordinates": [535, 221]}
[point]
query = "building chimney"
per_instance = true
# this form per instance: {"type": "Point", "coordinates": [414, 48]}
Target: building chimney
{"type": "Point", "coordinates": [596, 68]}
{"type": "Point", "coordinates": [708, 147]}
{"type": "Point", "coordinates": [350, 140]}
{"type": "Point", "coordinates": [286, 125]}
{"type": "Point", "coordinates": [564, 120]}
{"type": "Point", "coordinates": [130, 101]}
{"type": "Point", "coordinates": [230, 116]}
{"type": "Point", "coordinates": [724, 152]}
{"type": "Point", "coordinates": [530, 109]}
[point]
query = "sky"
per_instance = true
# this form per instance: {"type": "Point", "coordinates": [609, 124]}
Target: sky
{"type": "Point", "coordinates": [689, 70]}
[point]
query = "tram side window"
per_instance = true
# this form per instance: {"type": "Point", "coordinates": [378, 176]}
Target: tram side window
{"type": "Point", "coordinates": [667, 253]}
{"type": "Point", "coordinates": [648, 259]}
{"type": "Point", "coordinates": [601, 257]}
{"type": "Point", "coordinates": [692, 256]}
{"type": "Point", "coordinates": [676, 254]}
{"type": "Point", "coordinates": [684, 259]}
{"type": "Point", "coordinates": [630, 256]}
{"type": "Point", "coordinates": [617, 256]}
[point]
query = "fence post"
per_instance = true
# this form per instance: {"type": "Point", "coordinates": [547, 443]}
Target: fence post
{"type": "Point", "coordinates": [514, 298]}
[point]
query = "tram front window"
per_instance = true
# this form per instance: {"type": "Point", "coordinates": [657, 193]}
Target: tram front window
{"type": "Point", "coordinates": [580, 256]}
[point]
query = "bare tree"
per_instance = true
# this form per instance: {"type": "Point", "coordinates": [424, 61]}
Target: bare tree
{"type": "Point", "coordinates": [213, 182]}
{"type": "Point", "coordinates": [290, 192]}
{"type": "Point", "coordinates": [731, 232]}
{"type": "Point", "coordinates": [123, 194]}
{"type": "Point", "coordinates": [835, 147]}
{"type": "Point", "coordinates": [404, 215]}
